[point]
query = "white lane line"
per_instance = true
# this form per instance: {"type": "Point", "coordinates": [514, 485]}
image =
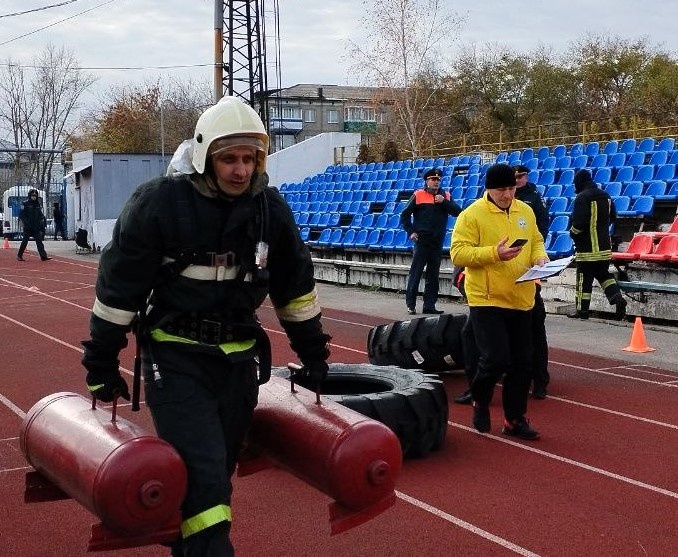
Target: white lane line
{"type": "Point", "coordinates": [614, 412]}
{"type": "Point", "coordinates": [465, 525]}
{"type": "Point", "coordinates": [619, 375]}
{"type": "Point", "coordinates": [571, 462]}
{"type": "Point", "coordinates": [41, 293]}
{"type": "Point", "coordinates": [23, 468]}
{"type": "Point", "coordinates": [13, 407]}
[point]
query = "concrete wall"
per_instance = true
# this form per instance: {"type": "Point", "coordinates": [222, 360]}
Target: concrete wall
{"type": "Point", "coordinates": [312, 156]}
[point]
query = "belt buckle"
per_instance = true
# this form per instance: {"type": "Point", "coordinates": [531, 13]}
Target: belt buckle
{"type": "Point", "coordinates": [226, 259]}
{"type": "Point", "coordinates": [210, 332]}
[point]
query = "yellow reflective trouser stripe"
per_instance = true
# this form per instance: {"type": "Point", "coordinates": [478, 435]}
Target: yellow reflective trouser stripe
{"type": "Point", "coordinates": [227, 347]}
{"type": "Point", "coordinates": [210, 517]}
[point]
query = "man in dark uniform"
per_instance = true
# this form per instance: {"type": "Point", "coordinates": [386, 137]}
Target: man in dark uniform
{"type": "Point", "coordinates": [527, 193]}
{"type": "Point", "coordinates": [592, 213]}
{"type": "Point", "coordinates": [425, 220]}
{"type": "Point", "coordinates": [192, 256]}
{"type": "Point", "coordinates": [34, 223]}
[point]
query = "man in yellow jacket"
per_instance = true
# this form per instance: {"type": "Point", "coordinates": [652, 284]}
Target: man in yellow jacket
{"type": "Point", "coordinates": [497, 240]}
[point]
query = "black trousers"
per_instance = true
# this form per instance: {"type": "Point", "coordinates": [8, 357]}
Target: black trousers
{"type": "Point", "coordinates": [599, 270]}
{"type": "Point", "coordinates": [427, 253]}
{"type": "Point", "coordinates": [37, 236]}
{"type": "Point", "coordinates": [540, 347]}
{"type": "Point", "coordinates": [504, 341]}
{"type": "Point", "coordinates": [203, 410]}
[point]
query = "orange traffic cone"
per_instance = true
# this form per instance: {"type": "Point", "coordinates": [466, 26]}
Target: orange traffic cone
{"type": "Point", "coordinates": [6, 244]}
{"type": "Point", "coordinates": [638, 342]}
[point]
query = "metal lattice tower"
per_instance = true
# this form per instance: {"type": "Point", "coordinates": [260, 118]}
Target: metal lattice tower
{"type": "Point", "coordinates": [240, 53]}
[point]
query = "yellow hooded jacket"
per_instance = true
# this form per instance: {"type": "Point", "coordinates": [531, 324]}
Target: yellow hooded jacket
{"type": "Point", "coordinates": [489, 280]}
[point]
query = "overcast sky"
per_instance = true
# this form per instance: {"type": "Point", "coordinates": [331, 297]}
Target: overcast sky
{"type": "Point", "coordinates": [151, 33]}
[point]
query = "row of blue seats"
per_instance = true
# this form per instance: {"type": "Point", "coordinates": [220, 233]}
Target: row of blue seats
{"type": "Point", "coordinates": [419, 163]}
{"type": "Point", "coordinates": [590, 149]}
{"type": "Point", "coordinates": [656, 158]}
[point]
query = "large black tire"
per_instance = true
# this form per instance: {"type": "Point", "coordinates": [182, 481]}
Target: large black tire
{"type": "Point", "coordinates": [411, 404]}
{"type": "Point", "coordinates": [430, 343]}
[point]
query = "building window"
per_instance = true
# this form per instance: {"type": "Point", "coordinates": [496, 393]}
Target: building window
{"type": "Point", "coordinates": [309, 115]}
{"type": "Point", "coordinates": [359, 114]}
{"type": "Point", "coordinates": [285, 112]}
{"type": "Point", "coordinates": [332, 116]}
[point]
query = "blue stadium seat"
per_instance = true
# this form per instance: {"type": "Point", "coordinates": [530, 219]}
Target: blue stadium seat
{"type": "Point", "coordinates": [526, 155]}
{"type": "Point", "coordinates": [472, 180]}
{"type": "Point", "coordinates": [356, 221]}
{"type": "Point", "coordinates": [658, 158]}
{"type": "Point", "coordinates": [633, 189]}
{"type": "Point", "coordinates": [563, 162]}
{"type": "Point", "coordinates": [602, 175]}
{"type": "Point", "coordinates": [598, 160]}
{"type": "Point", "coordinates": [531, 164]}
{"type": "Point", "coordinates": [451, 221]}
{"type": "Point", "coordinates": [621, 203]}
{"type": "Point", "coordinates": [562, 247]}
{"type": "Point", "coordinates": [553, 191]}
{"type": "Point", "coordinates": [611, 147]}
{"type": "Point", "coordinates": [569, 191]}
{"type": "Point", "coordinates": [558, 205]}
{"type": "Point", "coordinates": [617, 160]}
{"type": "Point", "coordinates": [447, 241]}
{"type": "Point", "coordinates": [324, 238]}
{"type": "Point", "coordinates": [592, 149]}
{"type": "Point", "coordinates": [644, 173]}
{"type": "Point", "coordinates": [671, 195]}
{"type": "Point", "coordinates": [642, 206]}
{"type": "Point", "coordinates": [666, 144]}
{"type": "Point", "coordinates": [304, 233]}
{"type": "Point", "coordinates": [381, 222]}
{"type": "Point", "coordinates": [613, 189]}
{"type": "Point", "coordinates": [546, 178]}
{"type": "Point", "coordinates": [360, 240]}
{"type": "Point", "coordinates": [646, 145]}
{"type": "Point", "coordinates": [624, 174]}
{"type": "Point", "coordinates": [348, 238]}
{"type": "Point", "coordinates": [576, 149]}
{"type": "Point", "coordinates": [655, 188]}
{"type": "Point", "coordinates": [628, 146]}
{"type": "Point", "coordinates": [636, 159]}
{"type": "Point", "coordinates": [559, 151]}
{"type": "Point", "coordinates": [549, 163]}
{"type": "Point", "coordinates": [393, 221]}
{"type": "Point", "coordinates": [559, 223]}
{"type": "Point", "coordinates": [542, 153]}
{"type": "Point", "coordinates": [581, 161]}
{"type": "Point", "coordinates": [402, 241]}
{"type": "Point", "coordinates": [472, 192]}
{"type": "Point", "coordinates": [566, 177]}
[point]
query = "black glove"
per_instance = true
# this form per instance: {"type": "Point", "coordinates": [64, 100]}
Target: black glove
{"type": "Point", "coordinates": [104, 381]}
{"type": "Point", "coordinates": [315, 371]}
{"type": "Point", "coordinates": [106, 386]}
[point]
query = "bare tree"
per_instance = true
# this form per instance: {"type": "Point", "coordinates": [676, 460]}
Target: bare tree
{"type": "Point", "coordinates": [36, 112]}
{"type": "Point", "coordinates": [402, 55]}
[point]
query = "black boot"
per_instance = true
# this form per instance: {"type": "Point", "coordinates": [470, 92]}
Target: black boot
{"type": "Point", "coordinates": [620, 306]}
{"type": "Point", "coordinates": [579, 314]}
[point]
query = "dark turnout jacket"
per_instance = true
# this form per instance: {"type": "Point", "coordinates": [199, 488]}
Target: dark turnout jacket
{"type": "Point", "coordinates": [592, 214]}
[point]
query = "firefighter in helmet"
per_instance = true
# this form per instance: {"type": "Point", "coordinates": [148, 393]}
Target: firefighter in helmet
{"type": "Point", "coordinates": [193, 255]}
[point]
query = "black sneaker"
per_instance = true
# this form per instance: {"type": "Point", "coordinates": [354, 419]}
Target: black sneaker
{"type": "Point", "coordinates": [620, 308]}
{"type": "Point", "coordinates": [464, 398]}
{"type": "Point", "coordinates": [539, 392]}
{"type": "Point", "coordinates": [481, 417]}
{"type": "Point", "coordinates": [579, 315]}
{"type": "Point", "coordinates": [520, 428]}
{"type": "Point", "coordinates": [433, 311]}
{"type": "Point", "coordinates": [411, 310]}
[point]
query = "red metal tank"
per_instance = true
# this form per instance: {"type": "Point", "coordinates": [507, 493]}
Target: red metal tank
{"type": "Point", "coordinates": [132, 480]}
{"type": "Point", "coordinates": [352, 458]}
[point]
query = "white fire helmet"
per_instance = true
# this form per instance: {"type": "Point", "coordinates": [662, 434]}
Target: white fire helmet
{"type": "Point", "coordinates": [233, 121]}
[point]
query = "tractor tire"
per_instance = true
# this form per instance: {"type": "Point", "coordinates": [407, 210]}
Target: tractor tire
{"type": "Point", "coordinates": [429, 343]}
{"type": "Point", "coordinates": [411, 404]}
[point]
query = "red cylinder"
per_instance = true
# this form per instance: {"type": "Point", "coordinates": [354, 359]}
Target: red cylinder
{"type": "Point", "coordinates": [352, 458]}
{"type": "Point", "coordinates": [132, 480]}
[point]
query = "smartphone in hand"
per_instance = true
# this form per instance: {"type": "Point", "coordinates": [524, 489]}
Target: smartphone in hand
{"type": "Point", "coordinates": [518, 242]}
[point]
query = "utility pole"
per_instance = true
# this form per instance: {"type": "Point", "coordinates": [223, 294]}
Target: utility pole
{"type": "Point", "coordinates": [240, 53]}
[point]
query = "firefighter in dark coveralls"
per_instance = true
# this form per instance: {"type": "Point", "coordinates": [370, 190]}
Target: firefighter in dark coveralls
{"type": "Point", "coordinates": [194, 254]}
{"type": "Point", "coordinates": [592, 213]}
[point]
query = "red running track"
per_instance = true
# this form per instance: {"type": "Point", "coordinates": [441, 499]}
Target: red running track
{"type": "Point", "coordinates": [603, 480]}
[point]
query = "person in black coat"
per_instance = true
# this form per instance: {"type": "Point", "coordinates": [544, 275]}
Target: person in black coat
{"type": "Point", "coordinates": [58, 218]}
{"type": "Point", "coordinates": [34, 223]}
{"type": "Point", "coordinates": [592, 213]}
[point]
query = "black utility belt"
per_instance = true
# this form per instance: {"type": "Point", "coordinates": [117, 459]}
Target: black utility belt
{"type": "Point", "coordinates": [208, 330]}
{"type": "Point", "coordinates": [211, 259]}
